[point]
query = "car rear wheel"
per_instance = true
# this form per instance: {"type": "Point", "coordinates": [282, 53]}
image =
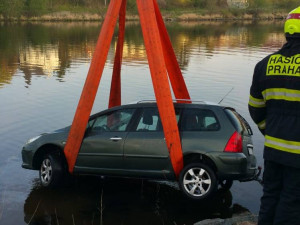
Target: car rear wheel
{"type": "Point", "coordinates": [197, 181]}
{"type": "Point", "coordinates": [51, 171]}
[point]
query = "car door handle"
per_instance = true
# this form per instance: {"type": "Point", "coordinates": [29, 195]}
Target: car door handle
{"type": "Point", "coordinates": [115, 138]}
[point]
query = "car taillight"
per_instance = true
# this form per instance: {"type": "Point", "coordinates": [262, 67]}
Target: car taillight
{"type": "Point", "coordinates": [235, 143]}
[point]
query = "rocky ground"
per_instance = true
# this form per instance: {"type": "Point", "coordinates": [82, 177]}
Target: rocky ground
{"type": "Point", "coordinates": [241, 219]}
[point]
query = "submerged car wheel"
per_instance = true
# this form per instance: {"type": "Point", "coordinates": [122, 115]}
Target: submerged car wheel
{"type": "Point", "coordinates": [51, 171]}
{"type": "Point", "coordinates": [197, 181]}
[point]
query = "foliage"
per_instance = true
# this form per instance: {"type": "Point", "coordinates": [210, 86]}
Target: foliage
{"type": "Point", "coordinates": [36, 7]}
{"type": "Point", "coordinates": [283, 4]}
{"type": "Point", "coordinates": [11, 8]}
{"type": "Point", "coordinates": [17, 8]}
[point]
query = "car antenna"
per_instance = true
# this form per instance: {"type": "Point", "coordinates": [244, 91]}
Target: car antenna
{"type": "Point", "coordinates": [226, 95]}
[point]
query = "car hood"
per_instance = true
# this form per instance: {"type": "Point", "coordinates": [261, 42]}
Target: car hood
{"type": "Point", "coordinates": [57, 137]}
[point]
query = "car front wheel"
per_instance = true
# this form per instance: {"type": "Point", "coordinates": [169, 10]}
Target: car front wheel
{"type": "Point", "coordinates": [51, 171]}
{"type": "Point", "coordinates": [197, 181]}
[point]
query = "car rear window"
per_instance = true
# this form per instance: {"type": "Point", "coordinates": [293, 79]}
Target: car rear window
{"type": "Point", "coordinates": [199, 120]}
{"type": "Point", "coordinates": [238, 121]}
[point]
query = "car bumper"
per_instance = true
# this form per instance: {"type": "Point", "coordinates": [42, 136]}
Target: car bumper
{"type": "Point", "coordinates": [27, 156]}
{"type": "Point", "coordinates": [235, 166]}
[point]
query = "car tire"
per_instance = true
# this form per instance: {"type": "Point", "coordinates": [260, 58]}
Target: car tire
{"type": "Point", "coordinates": [197, 181]}
{"type": "Point", "coordinates": [51, 171]}
{"type": "Point", "coordinates": [225, 185]}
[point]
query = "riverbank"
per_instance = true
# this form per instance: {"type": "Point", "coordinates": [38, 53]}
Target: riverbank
{"type": "Point", "coordinates": [245, 218]}
{"type": "Point", "coordinates": [168, 16]}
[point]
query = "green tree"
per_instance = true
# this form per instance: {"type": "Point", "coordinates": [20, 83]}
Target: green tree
{"type": "Point", "coordinates": [36, 7]}
{"type": "Point", "coordinates": [258, 3]}
{"type": "Point", "coordinates": [286, 4]}
{"type": "Point", "coordinates": [256, 6]}
{"type": "Point", "coordinates": [11, 8]}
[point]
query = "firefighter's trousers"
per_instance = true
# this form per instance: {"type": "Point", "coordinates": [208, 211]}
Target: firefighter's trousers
{"type": "Point", "coordinates": [280, 203]}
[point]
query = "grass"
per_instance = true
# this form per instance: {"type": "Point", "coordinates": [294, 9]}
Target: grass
{"type": "Point", "coordinates": [76, 9]}
{"type": "Point", "coordinates": [177, 13]}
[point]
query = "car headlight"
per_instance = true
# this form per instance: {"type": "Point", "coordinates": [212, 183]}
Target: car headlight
{"type": "Point", "coordinates": [33, 139]}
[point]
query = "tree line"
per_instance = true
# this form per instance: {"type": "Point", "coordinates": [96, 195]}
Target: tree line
{"type": "Point", "coordinates": [29, 8]}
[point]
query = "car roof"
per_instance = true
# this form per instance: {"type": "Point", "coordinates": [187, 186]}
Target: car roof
{"type": "Point", "coordinates": [176, 101]}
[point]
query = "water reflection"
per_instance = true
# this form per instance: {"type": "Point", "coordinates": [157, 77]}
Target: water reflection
{"type": "Point", "coordinates": [93, 200]}
{"type": "Point", "coordinates": [50, 49]}
{"type": "Point", "coordinates": [44, 49]}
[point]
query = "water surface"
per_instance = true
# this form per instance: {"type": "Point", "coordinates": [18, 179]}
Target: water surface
{"type": "Point", "coordinates": [42, 71]}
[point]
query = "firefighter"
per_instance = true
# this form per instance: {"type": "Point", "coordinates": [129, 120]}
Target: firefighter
{"type": "Point", "coordinates": [274, 105]}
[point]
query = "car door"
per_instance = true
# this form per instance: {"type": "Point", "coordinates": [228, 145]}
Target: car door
{"type": "Point", "coordinates": [102, 148]}
{"type": "Point", "coordinates": [145, 150]}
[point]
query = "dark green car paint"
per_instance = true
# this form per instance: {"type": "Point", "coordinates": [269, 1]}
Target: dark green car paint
{"type": "Point", "coordinates": [144, 154]}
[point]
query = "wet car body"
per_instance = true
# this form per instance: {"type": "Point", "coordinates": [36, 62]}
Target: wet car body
{"type": "Point", "coordinates": [128, 141]}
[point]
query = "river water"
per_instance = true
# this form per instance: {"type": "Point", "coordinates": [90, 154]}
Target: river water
{"type": "Point", "coordinates": [43, 67]}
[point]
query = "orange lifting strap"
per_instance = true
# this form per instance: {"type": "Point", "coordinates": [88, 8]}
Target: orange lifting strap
{"type": "Point", "coordinates": [163, 66]}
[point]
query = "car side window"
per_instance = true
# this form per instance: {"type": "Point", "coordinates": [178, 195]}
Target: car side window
{"type": "Point", "coordinates": [150, 120]}
{"type": "Point", "coordinates": [199, 120]}
{"type": "Point", "coordinates": [113, 121]}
